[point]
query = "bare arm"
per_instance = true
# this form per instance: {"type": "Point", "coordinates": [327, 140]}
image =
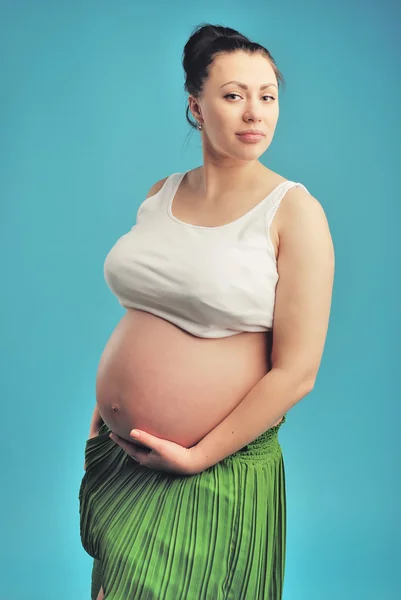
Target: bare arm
{"type": "Point", "coordinates": [100, 595]}
{"type": "Point", "coordinates": [96, 423]}
{"type": "Point", "coordinates": [301, 317]}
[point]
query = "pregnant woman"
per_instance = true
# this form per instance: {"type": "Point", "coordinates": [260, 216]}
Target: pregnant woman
{"type": "Point", "coordinates": [227, 280]}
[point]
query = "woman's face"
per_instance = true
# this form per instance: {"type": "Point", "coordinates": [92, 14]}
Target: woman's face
{"type": "Point", "coordinates": [226, 109]}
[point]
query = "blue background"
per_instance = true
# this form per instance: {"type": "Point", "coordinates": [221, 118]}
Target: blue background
{"type": "Point", "coordinates": [92, 114]}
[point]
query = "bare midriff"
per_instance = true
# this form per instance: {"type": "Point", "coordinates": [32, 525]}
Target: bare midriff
{"type": "Point", "coordinates": [155, 376]}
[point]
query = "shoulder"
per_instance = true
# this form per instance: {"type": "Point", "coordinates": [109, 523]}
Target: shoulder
{"type": "Point", "coordinates": [156, 187]}
{"type": "Point", "coordinates": [300, 211]}
{"type": "Point", "coordinates": [304, 237]}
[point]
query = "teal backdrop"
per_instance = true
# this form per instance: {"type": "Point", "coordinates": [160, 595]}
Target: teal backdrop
{"type": "Point", "coordinates": [92, 114]}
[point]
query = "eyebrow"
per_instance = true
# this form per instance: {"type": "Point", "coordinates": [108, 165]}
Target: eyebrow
{"type": "Point", "coordinates": [245, 87]}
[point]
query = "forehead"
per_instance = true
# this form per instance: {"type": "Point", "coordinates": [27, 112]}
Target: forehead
{"type": "Point", "coordinates": [248, 68]}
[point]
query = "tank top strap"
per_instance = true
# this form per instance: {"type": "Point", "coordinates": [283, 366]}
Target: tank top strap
{"type": "Point", "coordinates": [163, 195]}
{"type": "Point", "coordinates": [276, 197]}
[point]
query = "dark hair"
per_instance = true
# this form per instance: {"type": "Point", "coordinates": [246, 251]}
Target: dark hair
{"type": "Point", "coordinates": [205, 43]}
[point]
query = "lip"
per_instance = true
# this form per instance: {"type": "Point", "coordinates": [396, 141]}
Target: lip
{"type": "Point", "coordinates": [256, 132]}
{"type": "Point", "coordinates": [250, 138]}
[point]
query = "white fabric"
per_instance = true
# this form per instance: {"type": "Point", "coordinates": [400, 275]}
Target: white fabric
{"type": "Point", "coordinates": [210, 281]}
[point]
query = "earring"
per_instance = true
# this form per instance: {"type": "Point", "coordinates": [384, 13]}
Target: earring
{"type": "Point", "coordinates": [199, 126]}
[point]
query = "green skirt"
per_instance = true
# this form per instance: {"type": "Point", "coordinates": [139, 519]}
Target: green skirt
{"type": "Point", "coordinates": [216, 535]}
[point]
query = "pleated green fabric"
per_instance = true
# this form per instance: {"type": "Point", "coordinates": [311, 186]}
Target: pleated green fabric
{"type": "Point", "coordinates": [217, 535]}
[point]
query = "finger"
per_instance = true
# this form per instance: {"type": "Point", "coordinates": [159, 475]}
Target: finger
{"type": "Point", "coordinates": [137, 447]}
{"type": "Point", "coordinates": [143, 437]}
{"type": "Point", "coordinates": [128, 447]}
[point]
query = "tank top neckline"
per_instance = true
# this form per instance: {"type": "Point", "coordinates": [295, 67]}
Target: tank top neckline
{"type": "Point", "coordinates": [231, 223]}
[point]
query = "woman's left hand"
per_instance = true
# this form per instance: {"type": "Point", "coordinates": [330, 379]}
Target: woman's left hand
{"type": "Point", "coordinates": [161, 455]}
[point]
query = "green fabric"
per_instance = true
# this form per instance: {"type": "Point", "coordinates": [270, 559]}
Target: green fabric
{"type": "Point", "coordinates": [220, 534]}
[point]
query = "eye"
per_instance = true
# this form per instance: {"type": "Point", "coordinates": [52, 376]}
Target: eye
{"type": "Point", "coordinates": [233, 94]}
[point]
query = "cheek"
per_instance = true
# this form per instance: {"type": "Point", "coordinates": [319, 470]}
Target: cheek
{"type": "Point", "coordinates": [219, 131]}
{"type": "Point", "coordinates": [222, 117]}
{"type": "Point", "coordinates": [274, 116]}
{"type": "Point", "coordinates": [218, 123]}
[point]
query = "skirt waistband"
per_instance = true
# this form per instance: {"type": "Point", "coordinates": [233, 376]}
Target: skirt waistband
{"type": "Point", "coordinates": [262, 448]}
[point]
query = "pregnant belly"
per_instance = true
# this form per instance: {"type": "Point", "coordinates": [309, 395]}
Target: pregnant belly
{"type": "Point", "coordinates": [154, 376]}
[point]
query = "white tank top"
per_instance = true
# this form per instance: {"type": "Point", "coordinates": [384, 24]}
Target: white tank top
{"type": "Point", "coordinates": [212, 282]}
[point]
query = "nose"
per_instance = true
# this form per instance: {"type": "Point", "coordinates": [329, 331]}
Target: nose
{"type": "Point", "coordinates": [253, 113]}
